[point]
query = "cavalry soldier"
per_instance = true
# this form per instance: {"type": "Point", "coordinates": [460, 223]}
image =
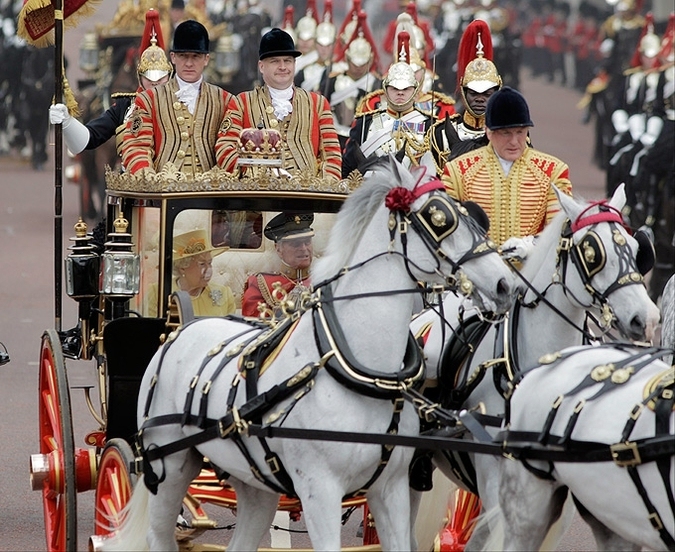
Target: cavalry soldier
{"type": "Point", "coordinates": [511, 181]}
{"type": "Point", "coordinates": [303, 118]}
{"type": "Point", "coordinates": [179, 122]}
{"type": "Point", "coordinates": [477, 80]}
{"type": "Point", "coordinates": [292, 236]}
{"type": "Point", "coordinates": [312, 75]}
{"type": "Point", "coordinates": [153, 70]}
{"type": "Point", "coordinates": [388, 121]}
{"type": "Point", "coordinates": [345, 89]}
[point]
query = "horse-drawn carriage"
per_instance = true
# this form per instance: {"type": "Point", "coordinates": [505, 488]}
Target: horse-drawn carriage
{"type": "Point", "coordinates": [339, 360]}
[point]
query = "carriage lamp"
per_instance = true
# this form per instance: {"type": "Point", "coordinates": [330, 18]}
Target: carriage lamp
{"type": "Point", "coordinates": [89, 53]}
{"type": "Point", "coordinates": [82, 265]}
{"type": "Point", "coordinates": [228, 60]}
{"type": "Point", "coordinates": [120, 268]}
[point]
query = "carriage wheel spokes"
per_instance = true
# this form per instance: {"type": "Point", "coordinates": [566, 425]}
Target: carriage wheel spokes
{"type": "Point", "coordinates": [53, 470]}
{"type": "Point", "coordinates": [462, 520]}
{"type": "Point", "coordinates": [116, 481]}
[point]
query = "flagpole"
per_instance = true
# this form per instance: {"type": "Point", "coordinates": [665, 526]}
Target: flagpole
{"type": "Point", "coordinates": [58, 163]}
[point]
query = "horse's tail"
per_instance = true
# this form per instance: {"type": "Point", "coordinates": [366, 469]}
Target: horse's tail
{"type": "Point", "coordinates": [132, 532]}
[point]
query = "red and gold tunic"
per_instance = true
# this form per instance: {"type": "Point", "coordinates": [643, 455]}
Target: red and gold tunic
{"type": "Point", "coordinates": [161, 129]}
{"type": "Point", "coordinates": [519, 204]}
{"type": "Point", "coordinates": [310, 139]}
{"type": "Point", "coordinates": [259, 288]}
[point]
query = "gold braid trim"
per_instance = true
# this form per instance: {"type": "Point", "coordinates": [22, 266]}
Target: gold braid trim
{"type": "Point", "coordinates": [266, 292]}
{"type": "Point", "coordinates": [361, 108]}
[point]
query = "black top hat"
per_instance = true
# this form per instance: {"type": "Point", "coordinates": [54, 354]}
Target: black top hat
{"type": "Point", "coordinates": [507, 108]}
{"type": "Point", "coordinates": [277, 42]}
{"type": "Point", "coordinates": [191, 36]}
{"type": "Point", "coordinates": [289, 226]}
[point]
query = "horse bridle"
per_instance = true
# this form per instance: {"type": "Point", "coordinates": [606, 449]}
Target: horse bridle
{"type": "Point", "coordinates": [589, 255]}
{"type": "Point", "coordinates": [437, 219]}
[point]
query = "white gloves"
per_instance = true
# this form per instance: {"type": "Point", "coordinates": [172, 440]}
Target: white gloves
{"type": "Point", "coordinates": [517, 247]}
{"type": "Point", "coordinates": [654, 126]}
{"type": "Point", "coordinates": [75, 134]}
{"type": "Point", "coordinates": [620, 120]}
{"type": "Point", "coordinates": [58, 115]}
{"type": "Point", "coordinates": [637, 124]}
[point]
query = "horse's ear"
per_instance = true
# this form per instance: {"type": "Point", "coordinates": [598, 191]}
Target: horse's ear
{"type": "Point", "coordinates": [476, 213]}
{"type": "Point", "coordinates": [646, 255]}
{"type": "Point", "coordinates": [370, 163]}
{"type": "Point", "coordinates": [568, 204]}
{"type": "Point", "coordinates": [619, 198]}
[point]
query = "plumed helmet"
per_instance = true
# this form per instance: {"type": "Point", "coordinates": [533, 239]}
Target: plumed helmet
{"type": "Point", "coordinates": [306, 27]}
{"type": "Point", "coordinates": [475, 69]}
{"type": "Point", "coordinates": [191, 36]}
{"type": "Point", "coordinates": [153, 63]}
{"type": "Point", "coordinates": [361, 48]}
{"type": "Point", "coordinates": [648, 46]}
{"type": "Point", "coordinates": [401, 74]}
{"type": "Point", "coordinates": [277, 42]}
{"type": "Point", "coordinates": [326, 31]}
{"type": "Point", "coordinates": [289, 226]}
{"type": "Point", "coordinates": [507, 108]}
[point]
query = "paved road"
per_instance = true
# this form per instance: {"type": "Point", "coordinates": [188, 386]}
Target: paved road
{"type": "Point", "coordinates": [27, 304]}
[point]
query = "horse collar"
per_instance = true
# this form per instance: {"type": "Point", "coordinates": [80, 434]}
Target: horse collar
{"type": "Point", "coordinates": [344, 367]}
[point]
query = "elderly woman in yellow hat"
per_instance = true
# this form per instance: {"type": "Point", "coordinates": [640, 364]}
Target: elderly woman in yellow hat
{"type": "Point", "coordinates": [193, 256]}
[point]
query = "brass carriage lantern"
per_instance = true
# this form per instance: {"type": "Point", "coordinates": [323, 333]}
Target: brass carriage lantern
{"type": "Point", "coordinates": [228, 61]}
{"type": "Point", "coordinates": [120, 272]}
{"type": "Point", "coordinates": [89, 53]}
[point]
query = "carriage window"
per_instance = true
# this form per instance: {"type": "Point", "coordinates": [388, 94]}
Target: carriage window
{"type": "Point", "coordinates": [236, 229]}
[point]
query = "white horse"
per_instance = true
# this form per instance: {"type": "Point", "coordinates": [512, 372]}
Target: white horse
{"type": "Point", "coordinates": [583, 262]}
{"type": "Point", "coordinates": [627, 502]}
{"type": "Point", "coordinates": [342, 359]}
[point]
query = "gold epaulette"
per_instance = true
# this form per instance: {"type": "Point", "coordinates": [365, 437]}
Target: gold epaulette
{"type": "Point", "coordinates": [441, 97]}
{"type": "Point", "coordinates": [368, 105]}
{"type": "Point", "coordinates": [115, 95]}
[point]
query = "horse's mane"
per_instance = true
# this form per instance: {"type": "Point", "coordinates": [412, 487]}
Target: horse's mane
{"type": "Point", "coordinates": [546, 241]}
{"type": "Point", "coordinates": [355, 215]}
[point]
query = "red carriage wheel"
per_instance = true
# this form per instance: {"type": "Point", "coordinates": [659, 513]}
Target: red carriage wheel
{"type": "Point", "coordinates": [53, 470]}
{"type": "Point", "coordinates": [463, 514]}
{"type": "Point", "coordinates": [114, 485]}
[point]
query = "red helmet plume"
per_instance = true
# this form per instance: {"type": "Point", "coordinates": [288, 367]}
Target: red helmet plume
{"type": "Point", "coordinates": [152, 28]}
{"type": "Point", "coordinates": [476, 42]}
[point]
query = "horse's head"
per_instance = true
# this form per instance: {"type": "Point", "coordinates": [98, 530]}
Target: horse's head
{"type": "Point", "coordinates": [443, 242]}
{"type": "Point", "coordinates": [609, 264]}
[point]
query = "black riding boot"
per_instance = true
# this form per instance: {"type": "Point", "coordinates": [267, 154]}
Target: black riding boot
{"type": "Point", "coordinates": [421, 470]}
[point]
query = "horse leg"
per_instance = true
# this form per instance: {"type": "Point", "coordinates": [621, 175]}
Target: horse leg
{"type": "Point", "coordinates": [389, 503]}
{"type": "Point", "coordinates": [529, 506]}
{"type": "Point", "coordinates": [415, 500]}
{"type": "Point", "coordinates": [255, 512]}
{"type": "Point", "coordinates": [605, 538]}
{"type": "Point", "coordinates": [165, 506]}
{"type": "Point", "coordinates": [322, 507]}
